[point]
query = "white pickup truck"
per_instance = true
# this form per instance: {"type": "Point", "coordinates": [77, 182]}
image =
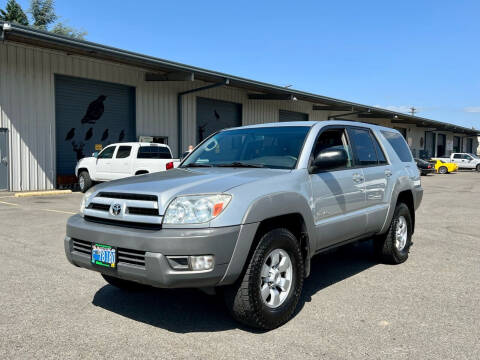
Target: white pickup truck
{"type": "Point", "coordinates": [122, 160]}
{"type": "Point", "coordinates": [463, 160]}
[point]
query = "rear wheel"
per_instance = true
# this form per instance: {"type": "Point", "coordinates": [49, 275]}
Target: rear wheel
{"type": "Point", "coordinates": [393, 247]}
{"type": "Point", "coordinates": [267, 294]}
{"type": "Point", "coordinates": [124, 284]}
{"type": "Point", "coordinates": [84, 181]}
{"type": "Point", "coordinates": [478, 168]}
{"type": "Point", "coordinates": [442, 170]}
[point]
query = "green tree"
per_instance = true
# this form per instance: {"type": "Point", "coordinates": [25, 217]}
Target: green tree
{"type": "Point", "coordinates": [65, 30]}
{"type": "Point", "coordinates": [43, 13]}
{"type": "Point", "coordinates": [13, 13]}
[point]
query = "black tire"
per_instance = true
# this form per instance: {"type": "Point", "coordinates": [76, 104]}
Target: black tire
{"type": "Point", "coordinates": [84, 181]}
{"type": "Point", "coordinates": [478, 167]}
{"type": "Point", "coordinates": [442, 170]}
{"type": "Point", "coordinates": [244, 300]}
{"type": "Point", "coordinates": [124, 284]}
{"type": "Point", "coordinates": [385, 245]}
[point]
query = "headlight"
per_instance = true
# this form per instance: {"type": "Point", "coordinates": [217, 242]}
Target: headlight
{"type": "Point", "coordinates": [85, 200]}
{"type": "Point", "coordinates": [195, 209]}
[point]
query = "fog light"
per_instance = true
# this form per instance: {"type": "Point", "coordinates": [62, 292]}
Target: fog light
{"type": "Point", "coordinates": [203, 262]}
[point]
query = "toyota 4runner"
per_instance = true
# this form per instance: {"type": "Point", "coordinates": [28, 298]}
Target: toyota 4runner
{"type": "Point", "coordinates": [246, 211]}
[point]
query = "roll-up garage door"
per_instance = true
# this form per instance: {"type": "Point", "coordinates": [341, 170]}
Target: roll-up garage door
{"type": "Point", "coordinates": [90, 114]}
{"type": "Point", "coordinates": [214, 115]}
{"type": "Point", "coordinates": [286, 115]}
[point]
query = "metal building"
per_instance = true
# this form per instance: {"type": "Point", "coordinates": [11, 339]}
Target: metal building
{"type": "Point", "coordinates": [61, 99]}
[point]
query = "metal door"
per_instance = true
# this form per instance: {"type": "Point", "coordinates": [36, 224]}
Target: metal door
{"type": "Point", "coordinates": [3, 159]}
{"type": "Point", "coordinates": [214, 115]}
{"type": "Point", "coordinates": [285, 115]}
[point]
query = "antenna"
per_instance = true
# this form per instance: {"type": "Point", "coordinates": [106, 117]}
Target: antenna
{"type": "Point", "coordinates": [413, 110]}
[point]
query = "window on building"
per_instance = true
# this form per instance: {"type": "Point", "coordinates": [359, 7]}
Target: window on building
{"type": "Point", "coordinates": [154, 152]}
{"type": "Point", "coordinates": [399, 145]}
{"type": "Point", "coordinates": [123, 152]}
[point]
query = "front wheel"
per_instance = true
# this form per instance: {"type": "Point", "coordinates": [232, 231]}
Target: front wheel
{"type": "Point", "coordinates": [84, 181]}
{"type": "Point", "coordinates": [270, 289]}
{"type": "Point", "coordinates": [393, 247]}
{"type": "Point", "coordinates": [478, 167]}
{"type": "Point", "coordinates": [442, 170]}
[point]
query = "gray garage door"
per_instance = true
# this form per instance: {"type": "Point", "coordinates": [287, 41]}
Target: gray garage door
{"type": "Point", "coordinates": [285, 115]}
{"type": "Point", "coordinates": [90, 113]}
{"type": "Point", "coordinates": [214, 115]}
{"type": "Point", "coordinates": [3, 159]}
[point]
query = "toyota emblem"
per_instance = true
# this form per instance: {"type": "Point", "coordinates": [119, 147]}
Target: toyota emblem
{"type": "Point", "coordinates": [116, 209]}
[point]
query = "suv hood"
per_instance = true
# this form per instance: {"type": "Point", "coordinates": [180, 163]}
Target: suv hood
{"type": "Point", "coordinates": [169, 184]}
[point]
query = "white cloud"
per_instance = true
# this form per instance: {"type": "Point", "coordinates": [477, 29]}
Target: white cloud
{"type": "Point", "coordinates": [472, 109]}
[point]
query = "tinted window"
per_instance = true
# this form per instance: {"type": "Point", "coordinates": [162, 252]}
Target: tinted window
{"type": "Point", "coordinates": [457, 156]}
{"type": "Point", "coordinates": [399, 145]}
{"type": "Point", "coordinates": [382, 160]}
{"type": "Point", "coordinates": [333, 139]}
{"type": "Point", "coordinates": [107, 153]}
{"type": "Point", "coordinates": [272, 147]}
{"type": "Point", "coordinates": [123, 152]}
{"type": "Point", "coordinates": [363, 147]}
{"type": "Point", "coordinates": [154, 152]}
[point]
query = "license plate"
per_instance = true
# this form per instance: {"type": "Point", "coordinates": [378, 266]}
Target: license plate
{"type": "Point", "coordinates": [104, 255]}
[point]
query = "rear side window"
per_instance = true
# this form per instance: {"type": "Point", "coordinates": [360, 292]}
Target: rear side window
{"type": "Point", "coordinates": [399, 145]}
{"type": "Point", "coordinates": [363, 147]}
{"type": "Point", "coordinates": [457, 156]}
{"type": "Point", "coordinates": [123, 152]}
{"type": "Point", "coordinates": [154, 152]}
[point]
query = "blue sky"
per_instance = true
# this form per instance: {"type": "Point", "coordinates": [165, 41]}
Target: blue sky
{"type": "Point", "coordinates": [392, 54]}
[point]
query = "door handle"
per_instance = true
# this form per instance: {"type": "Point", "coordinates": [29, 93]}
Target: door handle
{"type": "Point", "coordinates": [357, 178]}
{"type": "Point", "coordinates": [388, 173]}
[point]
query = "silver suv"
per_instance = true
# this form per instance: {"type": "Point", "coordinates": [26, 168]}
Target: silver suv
{"type": "Point", "coordinates": [246, 211]}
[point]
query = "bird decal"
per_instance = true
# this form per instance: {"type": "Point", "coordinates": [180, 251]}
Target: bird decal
{"type": "Point", "coordinates": [70, 134]}
{"type": "Point", "coordinates": [94, 111]}
{"type": "Point", "coordinates": [121, 136]}
{"type": "Point", "coordinates": [104, 135]}
{"type": "Point", "coordinates": [89, 134]}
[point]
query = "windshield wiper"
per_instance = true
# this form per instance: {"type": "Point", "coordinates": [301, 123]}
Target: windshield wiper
{"type": "Point", "coordinates": [240, 164]}
{"type": "Point", "coordinates": [197, 165]}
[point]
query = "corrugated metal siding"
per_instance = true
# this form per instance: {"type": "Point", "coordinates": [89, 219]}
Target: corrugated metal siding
{"type": "Point", "coordinates": [27, 107]}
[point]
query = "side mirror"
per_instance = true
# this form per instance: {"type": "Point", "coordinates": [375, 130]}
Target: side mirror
{"type": "Point", "coordinates": [95, 154]}
{"type": "Point", "coordinates": [329, 159]}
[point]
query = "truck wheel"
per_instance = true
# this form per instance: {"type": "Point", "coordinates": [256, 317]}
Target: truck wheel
{"type": "Point", "coordinates": [442, 170]}
{"type": "Point", "coordinates": [267, 294]}
{"type": "Point", "coordinates": [393, 247]}
{"type": "Point", "coordinates": [478, 168]}
{"type": "Point", "coordinates": [124, 284]}
{"type": "Point", "coordinates": [84, 181]}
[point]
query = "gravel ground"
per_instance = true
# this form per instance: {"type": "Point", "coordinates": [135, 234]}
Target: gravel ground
{"type": "Point", "coordinates": [351, 308]}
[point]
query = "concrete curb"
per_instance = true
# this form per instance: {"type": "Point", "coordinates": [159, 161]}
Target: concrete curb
{"type": "Point", "coordinates": [42, 193]}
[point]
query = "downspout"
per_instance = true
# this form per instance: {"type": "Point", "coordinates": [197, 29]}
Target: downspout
{"type": "Point", "coordinates": [179, 109]}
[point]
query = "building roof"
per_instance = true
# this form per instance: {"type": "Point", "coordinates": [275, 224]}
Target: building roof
{"type": "Point", "coordinates": [166, 69]}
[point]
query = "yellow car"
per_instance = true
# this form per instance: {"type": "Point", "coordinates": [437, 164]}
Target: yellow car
{"type": "Point", "coordinates": [443, 167]}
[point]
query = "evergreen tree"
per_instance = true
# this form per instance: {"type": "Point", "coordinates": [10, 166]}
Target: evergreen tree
{"type": "Point", "coordinates": [13, 13]}
{"type": "Point", "coordinates": [43, 13]}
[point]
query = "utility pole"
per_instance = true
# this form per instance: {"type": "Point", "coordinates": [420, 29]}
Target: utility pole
{"type": "Point", "coordinates": [413, 110]}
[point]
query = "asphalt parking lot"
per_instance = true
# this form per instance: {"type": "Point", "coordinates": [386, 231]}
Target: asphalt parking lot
{"type": "Point", "coordinates": [351, 308]}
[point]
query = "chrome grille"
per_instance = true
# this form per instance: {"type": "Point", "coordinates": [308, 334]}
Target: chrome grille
{"type": "Point", "coordinates": [136, 210]}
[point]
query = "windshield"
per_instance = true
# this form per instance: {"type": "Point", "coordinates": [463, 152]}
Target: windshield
{"type": "Point", "coordinates": [270, 147]}
{"type": "Point", "coordinates": [473, 155]}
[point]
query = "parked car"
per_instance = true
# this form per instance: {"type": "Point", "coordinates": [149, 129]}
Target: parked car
{"type": "Point", "coordinates": [247, 210]}
{"type": "Point", "coordinates": [443, 167]}
{"type": "Point", "coordinates": [122, 160]}
{"type": "Point", "coordinates": [464, 160]}
{"type": "Point", "coordinates": [425, 167]}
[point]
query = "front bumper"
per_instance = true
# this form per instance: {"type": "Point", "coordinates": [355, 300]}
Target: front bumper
{"type": "Point", "coordinates": [157, 245]}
